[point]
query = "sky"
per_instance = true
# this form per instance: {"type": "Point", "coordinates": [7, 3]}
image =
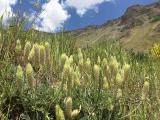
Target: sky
{"type": "Point", "coordinates": [55, 15]}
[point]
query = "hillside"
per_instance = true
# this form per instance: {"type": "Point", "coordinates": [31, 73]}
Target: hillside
{"type": "Point", "coordinates": [138, 28]}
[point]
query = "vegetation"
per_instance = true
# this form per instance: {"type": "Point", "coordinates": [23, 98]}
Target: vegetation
{"type": "Point", "coordinates": [45, 77]}
{"type": "Point", "coordinates": [156, 18]}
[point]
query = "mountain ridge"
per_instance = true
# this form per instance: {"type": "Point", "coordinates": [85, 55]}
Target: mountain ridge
{"type": "Point", "coordinates": [137, 18]}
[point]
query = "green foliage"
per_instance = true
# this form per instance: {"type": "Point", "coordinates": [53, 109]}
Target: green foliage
{"type": "Point", "coordinates": [156, 18]}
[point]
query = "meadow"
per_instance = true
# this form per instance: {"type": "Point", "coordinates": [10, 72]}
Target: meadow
{"type": "Point", "coordinates": [46, 77]}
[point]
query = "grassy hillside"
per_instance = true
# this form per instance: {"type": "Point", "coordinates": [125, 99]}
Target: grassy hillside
{"type": "Point", "coordinates": [46, 77]}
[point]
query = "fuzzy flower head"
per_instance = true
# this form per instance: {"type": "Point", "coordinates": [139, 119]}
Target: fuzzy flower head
{"type": "Point", "coordinates": [18, 48]}
{"type": "Point", "coordinates": [96, 72]}
{"type": "Point", "coordinates": [119, 79]}
{"type": "Point", "coordinates": [19, 78]}
{"type": "Point", "coordinates": [27, 47]}
{"type": "Point", "coordinates": [145, 90]}
{"type": "Point", "coordinates": [59, 113]}
{"type": "Point", "coordinates": [114, 64]}
{"type": "Point", "coordinates": [68, 106]}
{"type": "Point", "coordinates": [19, 73]}
{"type": "Point", "coordinates": [88, 64]}
{"type": "Point", "coordinates": [29, 70]}
{"type": "Point", "coordinates": [64, 57]}
{"type": "Point", "coordinates": [31, 55]}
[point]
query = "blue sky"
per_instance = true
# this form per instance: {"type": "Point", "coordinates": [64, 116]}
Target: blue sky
{"type": "Point", "coordinates": [53, 15]}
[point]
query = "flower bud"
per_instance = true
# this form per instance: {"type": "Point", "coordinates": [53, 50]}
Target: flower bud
{"type": "Point", "coordinates": [96, 72]}
{"type": "Point", "coordinates": [145, 90]}
{"type": "Point", "coordinates": [19, 78]}
{"type": "Point", "coordinates": [59, 113]}
{"type": "Point", "coordinates": [18, 48]}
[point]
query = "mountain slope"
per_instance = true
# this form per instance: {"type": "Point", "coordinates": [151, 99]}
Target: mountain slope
{"type": "Point", "coordinates": [138, 28]}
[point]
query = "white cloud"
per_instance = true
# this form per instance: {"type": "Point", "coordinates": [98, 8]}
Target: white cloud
{"type": "Point", "coordinates": [52, 17]}
{"type": "Point", "coordinates": [6, 10]}
{"type": "Point", "coordinates": [82, 6]}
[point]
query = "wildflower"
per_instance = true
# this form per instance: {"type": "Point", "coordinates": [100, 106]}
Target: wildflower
{"type": "Point", "coordinates": [68, 106]}
{"type": "Point", "coordinates": [66, 69]}
{"type": "Point", "coordinates": [114, 65]}
{"type": "Point", "coordinates": [105, 67]}
{"type": "Point", "coordinates": [126, 69]}
{"type": "Point", "coordinates": [18, 48]}
{"type": "Point", "coordinates": [31, 55]}
{"type": "Point", "coordinates": [76, 75]}
{"type": "Point", "coordinates": [27, 50]}
{"type": "Point", "coordinates": [96, 72]}
{"type": "Point", "coordinates": [49, 62]}
{"type": "Point", "coordinates": [19, 78]}
{"type": "Point", "coordinates": [88, 65]}
{"type": "Point", "coordinates": [59, 113]}
{"type": "Point", "coordinates": [145, 90]}
{"type": "Point", "coordinates": [29, 74]}
{"type": "Point", "coordinates": [75, 113]}
{"type": "Point", "coordinates": [155, 51]}
{"type": "Point", "coordinates": [119, 79]}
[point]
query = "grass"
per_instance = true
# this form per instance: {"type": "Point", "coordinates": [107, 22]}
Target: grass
{"type": "Point", "coordinates": [101, 82]}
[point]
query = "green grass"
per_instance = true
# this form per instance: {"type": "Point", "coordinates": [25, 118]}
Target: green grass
{"type": "Point", "coordinates": [97, 102]}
